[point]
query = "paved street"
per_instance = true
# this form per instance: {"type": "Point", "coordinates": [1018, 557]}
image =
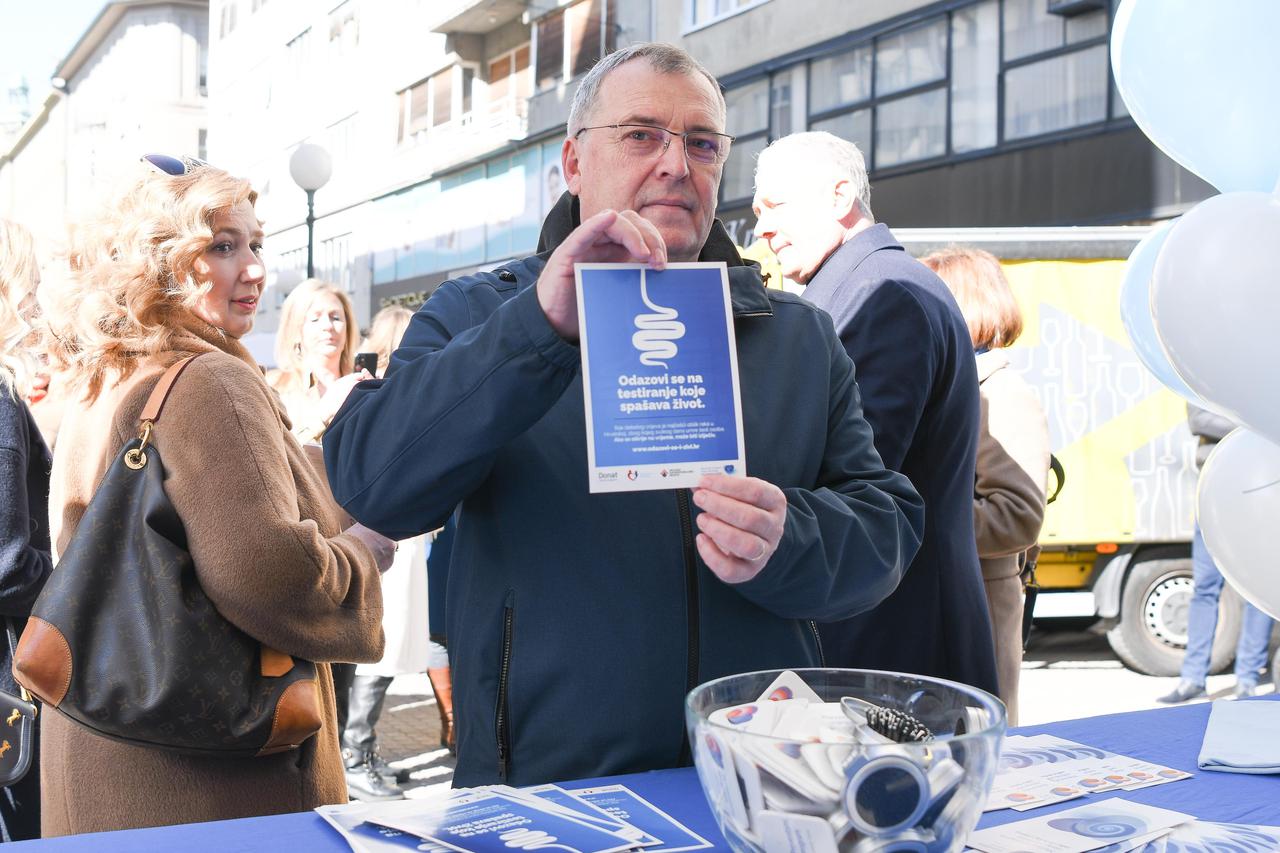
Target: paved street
{"type": "Point", "coordinates": [1066, 674]}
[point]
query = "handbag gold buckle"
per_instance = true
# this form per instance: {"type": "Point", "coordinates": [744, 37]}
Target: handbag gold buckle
{"type": "Point", "coordinates": [136, 458]}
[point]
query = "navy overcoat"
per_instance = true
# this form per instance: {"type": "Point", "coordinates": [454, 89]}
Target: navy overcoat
{"type": "Point", "coordinates": [915, 367]}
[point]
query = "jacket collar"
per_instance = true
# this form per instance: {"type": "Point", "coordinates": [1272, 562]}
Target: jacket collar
{"type": "Point", "coordinates": [847, 257]}
{"type": "Point", "coordinates": [747, 295]}
{"type": "Point", "coordinates": [197, 336]}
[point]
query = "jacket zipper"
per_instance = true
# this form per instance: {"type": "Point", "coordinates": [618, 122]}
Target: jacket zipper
{"type": "Point", "coordinates": [691, 602]}
{"type": "Point", "coordinates": [817, 639]}
{"type": "Point", "coordinates": [502, 723]}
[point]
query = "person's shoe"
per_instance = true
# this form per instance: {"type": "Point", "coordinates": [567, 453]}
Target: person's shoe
{"type": "Point", "coordinates": [1244, 690]}
{"type": "Point", "coordinates": [386, 771]}
{"type": "Point", "coordinates": [352, 758]}
{"type": "Point", "coordinates": [368, 785]}
{"type": "Point", "coordinates": [1185, 691]}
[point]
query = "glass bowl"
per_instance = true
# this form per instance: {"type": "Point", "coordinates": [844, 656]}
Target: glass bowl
{"type": "Point", "coordinates": [810, 759]}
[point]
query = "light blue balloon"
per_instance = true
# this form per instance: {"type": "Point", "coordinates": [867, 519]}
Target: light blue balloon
{"type": "Point", "coordinates": [1202, 80]}
{"type": "Point", "coordinates": [1135, 313]}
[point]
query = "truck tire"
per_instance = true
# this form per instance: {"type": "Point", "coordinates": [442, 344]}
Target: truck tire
{"type": "Point", "coordinates": [1151, 636]}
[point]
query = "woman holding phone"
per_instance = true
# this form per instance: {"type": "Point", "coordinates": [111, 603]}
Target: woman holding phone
{"type": "Point", "coordinates": [315, 354]}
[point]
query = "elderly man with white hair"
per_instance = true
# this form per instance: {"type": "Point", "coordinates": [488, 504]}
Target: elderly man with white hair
{"type": "Point", "coordinates": [577, 622]}
{"type": "Point", "coordinates": [915, 368]}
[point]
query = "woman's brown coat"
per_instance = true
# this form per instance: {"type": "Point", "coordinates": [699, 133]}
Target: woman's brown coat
{"type": "Point", "coordinates": [1008, 504]}
{"type": "Point", "coordinates": [265, 539]}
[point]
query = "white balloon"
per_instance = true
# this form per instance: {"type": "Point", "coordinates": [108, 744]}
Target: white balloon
{"type": "Point", "coordinates": [1239, 508]}
{"type": "Point", "coordinates": [1215, 299]}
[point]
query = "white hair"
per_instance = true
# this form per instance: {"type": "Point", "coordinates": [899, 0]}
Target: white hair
{"type": "Point", "coordinates": [817, 149]}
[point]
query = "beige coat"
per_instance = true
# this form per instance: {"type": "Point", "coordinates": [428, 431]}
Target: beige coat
{"type": "Point", "coordinates": [265, 540]}
{"type": "Point", "coordinates": [1008, 504]}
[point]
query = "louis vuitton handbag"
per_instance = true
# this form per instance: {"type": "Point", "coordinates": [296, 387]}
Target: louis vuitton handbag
{"type": "Point", "coordinates": [124, 641]}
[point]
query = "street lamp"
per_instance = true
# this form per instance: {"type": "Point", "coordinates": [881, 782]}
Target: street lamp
{"type": "Point", "coordinates": [310, 167]}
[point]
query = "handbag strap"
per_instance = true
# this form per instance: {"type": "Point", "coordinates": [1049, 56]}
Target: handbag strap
{"type": "Point", "coordinates": [272, 663]}
{"type": "Point", "coordinates": [155, 403]}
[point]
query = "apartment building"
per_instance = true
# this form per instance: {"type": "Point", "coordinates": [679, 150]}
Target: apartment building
{"type": "Point", "coordinates": [133, 83]}
{"type": "Point", "coordinates": [445, 117]}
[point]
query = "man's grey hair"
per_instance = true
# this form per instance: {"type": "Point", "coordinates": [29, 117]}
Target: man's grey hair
{"type": "Point", "coordinates": [819, 149]}
{"type": "Point", "coordinates": [665, 59]}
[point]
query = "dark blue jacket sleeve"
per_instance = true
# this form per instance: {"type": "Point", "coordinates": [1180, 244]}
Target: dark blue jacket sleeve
{"type": "Point", "coordinates": [24, 567]}
{"type": "Point", "coordinates": [459, 381]}
{"type": "Point", "coordinates": [894, 374]}
{"type": "Point", "coordinates": [848, 541]}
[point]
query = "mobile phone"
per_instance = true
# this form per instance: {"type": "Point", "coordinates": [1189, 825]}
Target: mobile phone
{"type": "Point", "coordinates": [367, 361]}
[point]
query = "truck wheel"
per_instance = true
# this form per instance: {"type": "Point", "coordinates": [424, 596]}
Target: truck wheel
{"type": "Point", "coordinates": [1151, 636]}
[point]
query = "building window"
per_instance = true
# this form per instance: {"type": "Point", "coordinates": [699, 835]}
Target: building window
{"type": "Point", "coordinates": [1055, 94]}
{"type": "Point", "coordinates": [569, 41]}
{"type": "Point", "coordinates": [333, 262]}
{"type": "Point", "coordinates": [971, 79]}
{"type": "Point", "coordinates": [228, 19]}
{"type": "Point", "coordinates": [442, 99]}
{"type": "Point", "coordinates": [911, 128]}
{"type": "Point", "coordinates": [298, 57]}
{"type": "Point", "coordinates": [510, 80]}
{"type": "Point", "coordinates": [748, 120]}
{"type": "Point", "coordinates": [344, 29]}
{"type": "Point", "coordinates": [975, 71]}
{"type": "Point", "coordinates": [911, 58]}
{"type": "Point", "coordinates": [699, 13]}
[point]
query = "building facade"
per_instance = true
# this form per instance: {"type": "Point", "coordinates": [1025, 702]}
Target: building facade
{"type": "Point", "coordinates": [134, 83]}
{"type": "Point", "coordinates": [446, 117]}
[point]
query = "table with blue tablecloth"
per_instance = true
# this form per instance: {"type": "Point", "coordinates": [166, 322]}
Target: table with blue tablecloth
{"type": "Point", "coordinates": [1169, 736]}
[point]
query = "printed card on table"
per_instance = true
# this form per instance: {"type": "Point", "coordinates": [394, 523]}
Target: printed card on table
{"type": "Point", "coordinates": [659, 376]}
{"type": "Point", "coordinates": [1107, 822]}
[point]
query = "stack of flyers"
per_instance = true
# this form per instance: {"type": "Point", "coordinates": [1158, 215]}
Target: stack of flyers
{"type": "Point", "coordinates": [498, 818]}
{"type": "Point", "coordinates": [1042, 769]}
{"type": "Point", "coordinates": [1114, 825]}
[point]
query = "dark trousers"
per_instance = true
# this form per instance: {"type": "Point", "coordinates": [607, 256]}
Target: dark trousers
{"type": "Point", "coordinates": [343, 674]}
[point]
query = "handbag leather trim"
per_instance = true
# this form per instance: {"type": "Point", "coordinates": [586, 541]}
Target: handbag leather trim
{"type": "Point", "coordinates": [297, 717]}
{"type": "Point", "coordinates": [274, 664]}
{"type": "Point", "coordinates": [42, 661]}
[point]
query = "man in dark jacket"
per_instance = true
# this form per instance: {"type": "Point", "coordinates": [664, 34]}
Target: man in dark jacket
{"type": "Point", "coordinates": [577, 622]}
{"type": "Point", "coordinates": [919, 385]}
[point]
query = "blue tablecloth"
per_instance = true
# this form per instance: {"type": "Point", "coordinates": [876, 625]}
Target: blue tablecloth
{"type": "Point", "coordinates": [1169, 736]}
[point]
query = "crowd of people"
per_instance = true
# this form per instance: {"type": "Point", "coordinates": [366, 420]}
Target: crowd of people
{"type": "Point", "coordinates": [895, 484]}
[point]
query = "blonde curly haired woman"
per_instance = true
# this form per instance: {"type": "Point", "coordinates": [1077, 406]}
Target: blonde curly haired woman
{"type": "Point", "coordinates": [173, 268]}
{"type": "Point", "coordinates": [315, 356]}
{"type": "Point", "coordinates": [25, 561]}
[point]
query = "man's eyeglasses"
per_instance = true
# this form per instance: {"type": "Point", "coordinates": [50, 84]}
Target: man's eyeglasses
{"type": "Point", "coordinates": [174, 166]}
{"type": "Point", "coordinates": [646, 141]}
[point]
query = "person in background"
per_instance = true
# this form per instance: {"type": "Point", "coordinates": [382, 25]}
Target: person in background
{"type": "Point", "coordinates": [919, 391]}
{"type": "Point", "coordinates": [1202, 615]}
{"type": "Point", "coordinates": [172, 268]}
{"type": "Point", "coordinates": [25, 560]}
{"type": "Point", "coordinates": [1012, 469]}
{"type": "Point", "coordinates": [404, 623]}
{"type": "Point", "coordinates": [315, 356]}
{"type": "Point", "coordinates": [315, 360]}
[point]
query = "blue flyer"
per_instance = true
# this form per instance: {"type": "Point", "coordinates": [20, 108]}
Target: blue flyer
{"type": "Point", "coordinates": [493, 822]}
{"type": "Point", "coordinates": [659, 375]}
